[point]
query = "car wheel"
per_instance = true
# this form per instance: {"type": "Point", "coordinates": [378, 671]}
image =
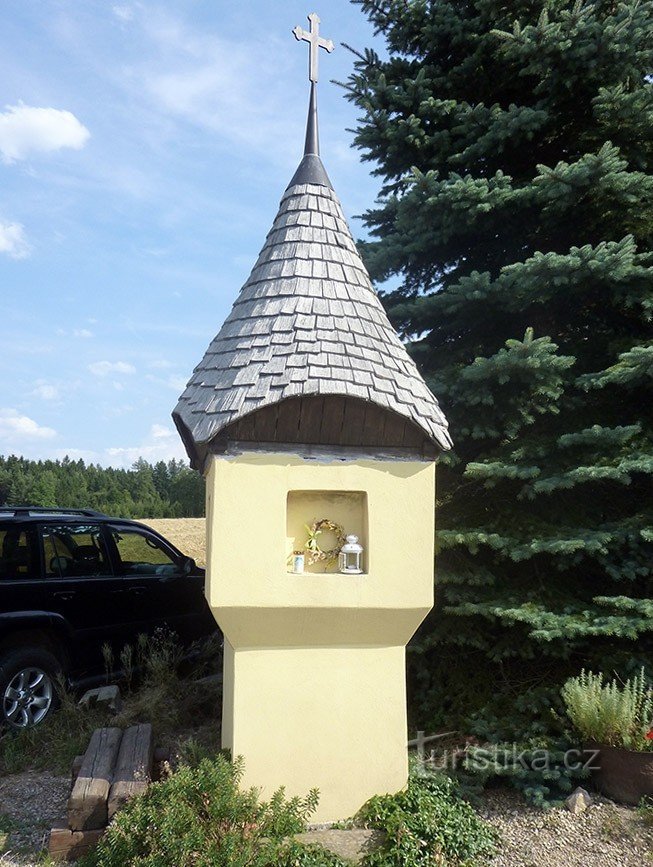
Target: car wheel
{"type": "Point", "coordinates": [27, 686]}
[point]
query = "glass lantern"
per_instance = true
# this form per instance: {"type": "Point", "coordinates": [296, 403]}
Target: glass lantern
{"type": "Point", "coordinates": [350, 557]}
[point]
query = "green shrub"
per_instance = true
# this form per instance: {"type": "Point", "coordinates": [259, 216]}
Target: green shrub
{"type": "Point", "coordinates": [428, 825]}
{"type": "Point", "coordinates": [199, 816]}
{"type": "Point", "coordinates": [542, 769]}
{"type": "Point", "coordinates": [526, 746]}
{"type": "Point", "coordinates": [614, 714]}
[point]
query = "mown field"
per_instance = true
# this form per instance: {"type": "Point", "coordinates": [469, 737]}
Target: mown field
{"type": "Point", "coordinates": [188, 534]}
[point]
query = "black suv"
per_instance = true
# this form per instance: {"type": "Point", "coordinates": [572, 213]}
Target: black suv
{"type": "Point", "coordinates": [72, 580]}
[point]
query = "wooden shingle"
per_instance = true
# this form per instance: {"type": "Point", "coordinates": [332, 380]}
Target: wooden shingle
{"type": "Point", "coordinates": [306, 323]}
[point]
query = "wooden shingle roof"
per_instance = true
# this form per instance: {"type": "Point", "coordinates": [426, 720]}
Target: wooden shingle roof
{"type": "Point", "coordinates": [307, 322]}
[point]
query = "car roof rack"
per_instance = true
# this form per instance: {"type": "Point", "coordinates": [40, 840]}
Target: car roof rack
{"type": "Point", "coordinates": [50, 510]}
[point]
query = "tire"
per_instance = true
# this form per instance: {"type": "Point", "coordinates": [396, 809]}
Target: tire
{"type": "Point", "coordinates": [28, 679]}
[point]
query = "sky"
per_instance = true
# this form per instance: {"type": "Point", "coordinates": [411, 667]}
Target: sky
{"type": "Point", "coordinates": [144, 148]}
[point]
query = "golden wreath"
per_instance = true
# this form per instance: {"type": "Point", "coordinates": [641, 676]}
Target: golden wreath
{"type": "Point", "coordinates": [315, 553]}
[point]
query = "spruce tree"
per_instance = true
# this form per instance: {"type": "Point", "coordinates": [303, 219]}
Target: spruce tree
{"type": "Point", "coordinates": [514, 142]}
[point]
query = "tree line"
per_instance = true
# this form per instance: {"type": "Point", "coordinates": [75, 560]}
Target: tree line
{"type": "Point", "coordinates": [161, 490]}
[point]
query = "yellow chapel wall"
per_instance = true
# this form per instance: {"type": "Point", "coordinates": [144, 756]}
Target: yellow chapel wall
{"type": "Point", "coordinates": [315, 663]}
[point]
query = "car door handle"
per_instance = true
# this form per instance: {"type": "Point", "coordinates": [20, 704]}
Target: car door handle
{"type": "Point", "coordinates": [137, 591]}
{"type": "Point", "coordinates": [66, 595]}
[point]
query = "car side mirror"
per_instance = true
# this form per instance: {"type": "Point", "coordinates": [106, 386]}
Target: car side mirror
{"type": "Point", "coordinates": [188, 565]}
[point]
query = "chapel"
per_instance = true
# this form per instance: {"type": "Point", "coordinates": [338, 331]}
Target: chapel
{"type": "Point", "coordinates": [305, 407]}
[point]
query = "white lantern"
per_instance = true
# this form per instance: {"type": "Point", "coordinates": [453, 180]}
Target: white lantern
{"type": "Point", "coordinates": [350, 557]}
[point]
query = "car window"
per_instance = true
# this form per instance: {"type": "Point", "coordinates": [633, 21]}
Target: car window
{"type": "Point", "coordinates": [74, 551]}
{"type": "Point", "coordinates": [16, 553]}
{"type": "Point", "coordinates": [142, 554]}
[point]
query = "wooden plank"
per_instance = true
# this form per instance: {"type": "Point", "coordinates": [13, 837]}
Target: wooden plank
{"type": "Point", "coordinates": [244, 429]}
{"type": "Point", "coordinates": [265, 423]}
{"type": "Point", "coordinates": [288, 419]}
{"type": "Point", "coordinates": [352, 426]}
{"type": "Point", "coordinates": [371, 422]}
{"type": "Point", "coordinates": [87, 805]}
{"type": "Point", "coordinates": [413, 436]}
{"type": "Point", "coordinates": [133, 771]}
{"type": "Point", "coordinates": [311, 419]}
{"type": "Point", "coordinates": [67, 845]}
{"type": "Point", "coordinates": [329, 420]}
{"type": "Point", "coordinates": [332, 419]}
{"type": "Point", "coordinates": [393, 432]}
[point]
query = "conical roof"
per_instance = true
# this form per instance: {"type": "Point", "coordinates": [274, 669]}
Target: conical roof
{"type": "Point", "coordinates": [306, 323]}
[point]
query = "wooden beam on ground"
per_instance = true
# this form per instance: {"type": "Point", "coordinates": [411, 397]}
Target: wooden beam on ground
{"type": "Point", "coordinates": [88, 802]}
{"type": "Point", "coordinates": [133, 771]}
{"type": "Point", "coordinates": [67, 845]}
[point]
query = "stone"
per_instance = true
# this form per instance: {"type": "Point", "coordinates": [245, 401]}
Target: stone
{"type": "Point", "coordinates": [107, 695]}
{"type": "Point", "coordinates": [578, 801]}
{"type": "Point", "coordinates": [353, 845]}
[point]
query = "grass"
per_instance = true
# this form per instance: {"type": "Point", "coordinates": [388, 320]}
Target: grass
{"type": "Point", "coordinates": [167, 695]}
{"type": "Point", "coordinates": [53, 744]}
{"type": "Point", "coordinates": [7, 825]}
{"type": "Point", "coordinates": [646, 811]}
{"type": "Point", "coordinates": [187, 534]}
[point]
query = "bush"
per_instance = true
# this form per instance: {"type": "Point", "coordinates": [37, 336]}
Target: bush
{"type": "Point", "coordinates": [537, 768]}
{"type": "Point", "coordinates": [620, 716]}
{"type": "Point", "coordinates": [199, 816]}
{"type": "Point", "coordinates": [168, 693]}
{"type": "Point", "coordinates": [428, 825]}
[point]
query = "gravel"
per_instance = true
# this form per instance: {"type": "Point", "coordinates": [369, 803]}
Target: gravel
{"type": "Point", "coordinates": [32, 801]}
{"type": "Point", "coordinates": [605, 835]}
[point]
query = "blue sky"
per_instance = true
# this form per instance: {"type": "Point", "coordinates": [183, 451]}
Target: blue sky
{"type": "Point", "coordinates": [144, 147]}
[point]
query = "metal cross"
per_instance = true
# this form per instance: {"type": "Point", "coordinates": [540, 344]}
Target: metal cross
{"type": "Point", "coordinates": [316, 42]}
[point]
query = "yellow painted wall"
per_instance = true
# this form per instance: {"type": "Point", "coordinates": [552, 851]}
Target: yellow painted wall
{"type": "Point", "coordinates": [314, 663]}
{"type": "Point", "coordinates": [332, 718]}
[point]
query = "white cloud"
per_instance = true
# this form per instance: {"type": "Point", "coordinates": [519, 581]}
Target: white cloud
{"type": "Point", "coordinates": [160, 364]}
{"type": "Point", "coordinates": [104, 368]}
{"type": "Point", "coordinates": [206, 79]}
{"type": "Point", "coordinates": [124, 13]}
{"type": "Point", "coordinates": [76, 332]}
{"type": "Point", "coordinates": [172, 381]}
{"type": "Point", "coordinates": [160, 431]}
{"type": "Point", "coordinates": [160, 445]}
{"type": "Point", "coordinates": [26, 130]}
{"type": "Point", "coordinates": [15, 428]}
{"type": "Point", "coordinates": [13, 241]}
{"type": "Point", "coordinates": [46, 391]}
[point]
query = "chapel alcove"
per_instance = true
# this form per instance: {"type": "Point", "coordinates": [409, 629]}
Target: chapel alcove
{"type": "Point", "coordinates": [346, 508]}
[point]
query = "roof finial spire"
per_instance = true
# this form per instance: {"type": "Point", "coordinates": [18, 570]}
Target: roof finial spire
{"type": "Point", "coordinates": [312, 145]}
